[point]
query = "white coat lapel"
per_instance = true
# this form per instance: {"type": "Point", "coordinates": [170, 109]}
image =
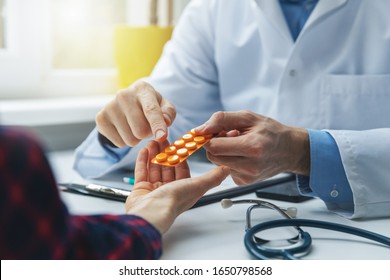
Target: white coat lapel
{"type": "Point", "coordinates": [323, 7]}
{"type": "Point", "coordinates": [272, 10]}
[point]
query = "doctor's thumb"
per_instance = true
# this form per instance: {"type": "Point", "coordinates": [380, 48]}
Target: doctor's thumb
{"type": "Point", "coordinates": [212, 126]}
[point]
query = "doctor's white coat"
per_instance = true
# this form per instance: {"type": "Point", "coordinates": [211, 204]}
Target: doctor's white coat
{"type": "Point", "coordinates": [239, 54]}
{"type": "Point", "coordinates": [234, 54]}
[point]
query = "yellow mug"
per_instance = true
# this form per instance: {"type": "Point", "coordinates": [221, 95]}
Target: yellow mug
{"type": "Point", "coordinates": [137, 50]}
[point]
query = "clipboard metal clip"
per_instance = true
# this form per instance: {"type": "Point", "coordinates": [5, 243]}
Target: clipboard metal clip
{"type": "Point", "coordinates": [107, 190]}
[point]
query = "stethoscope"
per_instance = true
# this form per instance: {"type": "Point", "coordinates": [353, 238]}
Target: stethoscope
{"type": "Point", "coordinates": [301, 243]}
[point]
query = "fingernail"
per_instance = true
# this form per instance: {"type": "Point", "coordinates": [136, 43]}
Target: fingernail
{"type": "Point", "coordinates": [159, 134]}
{"type": "Point", "coordinates": [167, 119]}
{"type": "Point", "coordinates": [201, 127]}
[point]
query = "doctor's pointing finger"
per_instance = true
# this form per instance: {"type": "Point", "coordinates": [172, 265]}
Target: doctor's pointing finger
{"type": "Point", "coordinates": [136, 113]}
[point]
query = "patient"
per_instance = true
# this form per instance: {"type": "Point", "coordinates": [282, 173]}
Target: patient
{"type": "Point", "coordinates": [35, 223]}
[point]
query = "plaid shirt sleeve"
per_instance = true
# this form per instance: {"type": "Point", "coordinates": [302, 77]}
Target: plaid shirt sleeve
{"type": "Point", "coordinates": [35, 223]}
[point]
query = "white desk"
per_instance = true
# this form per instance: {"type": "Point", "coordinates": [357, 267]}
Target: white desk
{"type": "Point", "coordinates": [210, 232]}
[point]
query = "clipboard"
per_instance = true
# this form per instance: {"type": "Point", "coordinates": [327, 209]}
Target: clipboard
{"type": "Point", "coordinates": [118, 194]}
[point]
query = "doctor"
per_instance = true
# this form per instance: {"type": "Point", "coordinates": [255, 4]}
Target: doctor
{"type": "Point", "coordinates": [312, 76]}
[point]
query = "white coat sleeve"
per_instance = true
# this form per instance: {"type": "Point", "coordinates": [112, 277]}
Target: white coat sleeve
{"type": "Point", "coordinates": [185, 75]}
{"type": "Point", "coordinates": [366, 159]}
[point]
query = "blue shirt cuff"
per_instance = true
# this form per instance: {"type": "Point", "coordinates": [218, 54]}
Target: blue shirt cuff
{"type": "Point", "coordinates": [92, 158]}
{"type": "Point", "coordinates": [115, 152]}
{"type": "Point", "coordinates": [327, 180]}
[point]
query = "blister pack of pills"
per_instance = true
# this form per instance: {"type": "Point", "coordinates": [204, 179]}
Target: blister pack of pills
{"type": "Point", "coordinates": [181, 149]}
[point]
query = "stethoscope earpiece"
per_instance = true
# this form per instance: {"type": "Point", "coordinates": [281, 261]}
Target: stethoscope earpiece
{"type": "Point", "coordinates": [226, 203]}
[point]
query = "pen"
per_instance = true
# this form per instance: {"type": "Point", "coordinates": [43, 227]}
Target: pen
{"type": "Point", "coordinates": [128, 180]}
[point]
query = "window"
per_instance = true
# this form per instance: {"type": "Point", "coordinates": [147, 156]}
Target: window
{"type": "Point", "coordinates": [64, 47]}
{"type": "Point", "coordinates": [2, 27]}
{"type": "Point", "coordinates": [82, 32]}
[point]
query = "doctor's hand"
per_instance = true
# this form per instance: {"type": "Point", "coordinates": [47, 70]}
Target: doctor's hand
{"type": "Point", "coordinates": [162, 193]}
{"type": "Point", "coordinates": [255, 147]}
{"type": "Point", "coordinates": [135, 113]}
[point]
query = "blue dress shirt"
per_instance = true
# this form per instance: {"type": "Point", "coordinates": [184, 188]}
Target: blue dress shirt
{"type": "Point", "coordinates": [296, 12]}
{"type": "Point", "coordinates": [327, 178]}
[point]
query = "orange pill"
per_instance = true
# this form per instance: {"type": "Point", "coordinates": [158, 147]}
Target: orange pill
{"type": "Point", "coordinates": [187, 137]}
{"type": "Point", "coordinates": [179, 143]}
{"type": "Point", "coordinates": [182, 152]}
{"type": "Point", "coordinates": [173, 159]}
{"type": "Point", "coordinates": [191, 145]}
{"type": "Point", "coordinates": [161, 157]}
{"type": "Point", "coordinates": [171, 150]}
{"type": "Point", "coordinates": [182, 148]}
{"type": "Point", "coordinates": [199, 139]}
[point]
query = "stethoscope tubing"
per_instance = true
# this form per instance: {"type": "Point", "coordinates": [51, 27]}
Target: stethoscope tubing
{"type": "Point", "coordinates": [261, 252]}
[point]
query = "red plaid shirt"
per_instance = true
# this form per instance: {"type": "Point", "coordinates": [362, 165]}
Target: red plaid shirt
{"type": "Point", "coordinates": [35, 223]}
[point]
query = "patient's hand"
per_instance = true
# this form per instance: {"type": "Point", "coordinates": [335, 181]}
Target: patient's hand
{"type": "Point", "coordinates": [162, 193]}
